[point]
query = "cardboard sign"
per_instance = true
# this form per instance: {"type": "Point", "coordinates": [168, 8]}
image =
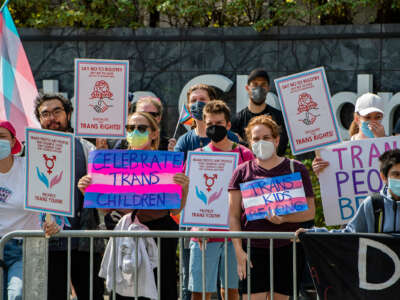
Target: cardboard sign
{"type": "Point", "coordinates": [134, 179]}
{"type": "Point", "coordinates": [281, 195]}
{"type": "Point", "coordinates": [50, 172]}
{"type": "Point", "coordinates": [207, 204]}
{"type": "Point", "coordinates": [352, 175]}
{"type": "Point", "coordinates": [101, 93]}
{"type": "Point", "coordinates": [306, 106]}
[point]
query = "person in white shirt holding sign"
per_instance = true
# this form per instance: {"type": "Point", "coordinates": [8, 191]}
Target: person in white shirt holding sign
{"type": "Point", "coordinates": [12, 214]}
{"type": "Point", "coordinates": [368, 115]}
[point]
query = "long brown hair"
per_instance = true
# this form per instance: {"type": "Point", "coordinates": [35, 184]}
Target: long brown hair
{"type": "Point", "coordinates": [153, 126]}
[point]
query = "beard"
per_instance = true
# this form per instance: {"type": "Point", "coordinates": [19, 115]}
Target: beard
{"type": "Point", "coordinates": [57, 126]}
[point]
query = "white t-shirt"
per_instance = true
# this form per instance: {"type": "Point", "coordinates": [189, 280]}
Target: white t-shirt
{"type": "Point", "coordinates": [12, 197]}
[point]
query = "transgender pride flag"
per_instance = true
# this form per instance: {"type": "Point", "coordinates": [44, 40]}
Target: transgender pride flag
{"type": "Point", "coordinates": [279, 195]}
{"type": "Point", "coordinates": [17, 86]}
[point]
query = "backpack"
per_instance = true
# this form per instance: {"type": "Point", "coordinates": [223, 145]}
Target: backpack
{"type": "Point", "coordinates": [379, 212]}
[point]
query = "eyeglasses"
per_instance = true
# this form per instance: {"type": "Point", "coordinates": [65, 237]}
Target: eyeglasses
{"type": "Point", "coordinates": [141, 128]}
{"type": "Point", "coordinates": [153, 113]}
{"type": "Point", "coordinates": [56, 113]}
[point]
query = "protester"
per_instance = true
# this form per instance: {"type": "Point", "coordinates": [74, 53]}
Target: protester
{"type": "Point", "coordinates": [12, 214]}
{"type": "Point", "coordinates": [53, 111]}
{"type": "Point", "coordinates": [263, 135]}
{"type": "Point", "coordinates": [378, 212]}
{"type": "Point", "coordinates": [257, 87]}
{"type": "Point", "coordinates": [143, 134]}
{"type": "Point", "coordinates": [368, 116]}
{"type": "Point", "coordinates": [197, 97]}
{"type": "Point", "coordinates": [216, 115]}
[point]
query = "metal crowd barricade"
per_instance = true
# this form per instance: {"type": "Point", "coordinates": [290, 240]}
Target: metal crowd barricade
{"type": "Point", "coordinates": [41, 250]}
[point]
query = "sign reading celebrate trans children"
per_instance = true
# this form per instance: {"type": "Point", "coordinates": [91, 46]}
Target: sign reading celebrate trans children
{"type": "Point", "coordinates": [306, 106]}
{"type": "Point", "coordinates": [134, 179]}
{"type": "Point", "coordinates": [281, 195]}
{"type": "Point", "coordinates": [352, 175]}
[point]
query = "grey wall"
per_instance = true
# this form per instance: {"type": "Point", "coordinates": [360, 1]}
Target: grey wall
{"type": "Point", "coordinates": [164, 60]}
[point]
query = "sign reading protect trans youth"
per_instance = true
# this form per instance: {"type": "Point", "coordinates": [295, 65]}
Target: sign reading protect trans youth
{"type": "Point", "coordinates": [101, 93]}
{"type": "Point", "coordinates": [306, 106]}
{"type": "Point", "coordinates": [134, 179]}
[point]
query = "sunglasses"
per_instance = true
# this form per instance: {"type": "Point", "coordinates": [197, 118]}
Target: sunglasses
{"type": "Point", "coordinates": [141, 128]}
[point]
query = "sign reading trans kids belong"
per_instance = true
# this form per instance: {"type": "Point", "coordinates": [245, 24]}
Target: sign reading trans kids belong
{"type": "Point", "coordinates": [134, 179]}
{"type": "Point", "coordinates": [207, 204]}
{"type": "Point", "coordinates": [50, 172]}
{"type": "Point", "coordinates": [352, 175]}
{"type": "Point", "coordinates": [101, 91]}
{"type": "Point", "coordinates": [281, 195]}
{"type": "Point", "coordinates": [306, 106]}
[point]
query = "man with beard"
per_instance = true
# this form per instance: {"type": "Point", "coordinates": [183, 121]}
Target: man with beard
{"type": "Point", "coordinates": [53, 111]}
{"type": "Point", "coordinates": [258, 87]}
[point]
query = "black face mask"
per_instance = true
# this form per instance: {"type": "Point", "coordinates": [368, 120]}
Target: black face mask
{"type": "Point", "coordinates": [216, 133]}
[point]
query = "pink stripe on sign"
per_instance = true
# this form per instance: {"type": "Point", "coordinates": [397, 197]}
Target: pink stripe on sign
{"type": "Point", "coordinates": [129, 180]}
{"type": "Point", "coordinates": [250, 193]}
{"type": "Point", "coordinates": [109, 169]}
{"type": "Point", "coordinates": [145, 189]}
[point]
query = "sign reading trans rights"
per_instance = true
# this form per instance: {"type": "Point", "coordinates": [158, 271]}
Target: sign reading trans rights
{"type": "Point", "coordinates": [306, 106]}
{"type": "Point", "coordinates": [352, 175]}
{"type": "Point", "coordinates": [281, 195]}
{"type": "Point", "coordinates": [134, 179]}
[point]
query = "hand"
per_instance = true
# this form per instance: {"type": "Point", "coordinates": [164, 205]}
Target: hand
{"type": "Point", "coordinates": [84, 182]}
{"type": "Point", "coordinates": [201, 243]}
{"type": "Point", "coordinates": [101, 144]}
{"type": "Point", "coordinates": [276, 219]}
{"type": "Point", "coordinates": [171, 144]}
{"type": "Point", "coordinates": [241, 258]}
{"type": "Point", "coordinates": [377, 129]}
{"type": "Point", "coordinates": [50, 227]}
{"type": "Point", "coordinates": [182, 180]}
{"type": "Point", "coordinates": [298, 231]}
{"type": "Point", "coordinates": [318, 165]}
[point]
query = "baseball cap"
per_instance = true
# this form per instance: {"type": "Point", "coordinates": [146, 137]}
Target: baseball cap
{"type": "Point", "coordinates": [17, 146]}
{"type": "Point", "coordinates": [368, 103]}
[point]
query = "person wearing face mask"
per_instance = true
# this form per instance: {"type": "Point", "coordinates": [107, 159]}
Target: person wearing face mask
{"type": "Point", "coordinates": [216, 115]}
{"type": "Point", "coordinates": [378, 212]}
{"type": "Point", "coordinates": [263, 135]}
{"type": "Point", "coordinates": [367, 124]}
{"type": "Point", "coordinates": [258, 87]}
{"type": "Point", "coordinates": [12, 214]}
{"type": "Point", "coordinates": [143, 134]}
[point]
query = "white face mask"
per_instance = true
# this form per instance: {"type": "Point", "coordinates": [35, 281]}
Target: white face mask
{"type": "Point", "coordinates": [263, 149]}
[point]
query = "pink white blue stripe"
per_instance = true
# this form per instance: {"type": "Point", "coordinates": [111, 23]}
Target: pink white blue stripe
{"type": "Point", "coordinates": [280, 195]}
{"type": "Point", "coordinates": [17, 86]}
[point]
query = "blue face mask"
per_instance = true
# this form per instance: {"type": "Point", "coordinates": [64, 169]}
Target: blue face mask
{"type": "Point", "coordinates": [365, 129]}
{"type": "Point", "coordinates": [197, 110]}
{"type": "Point", "coordinates": [394, 186]}
{"type": "Point", "coordinates": [5, 149]}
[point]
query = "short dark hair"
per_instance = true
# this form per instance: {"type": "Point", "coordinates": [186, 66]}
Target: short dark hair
{"type": "Point", "coordinates": [257, 73]}
{"type": "Point", "coordinates": [217, 107]}
{"type": "Point", "coordinates": [67, 104]}
{"type": "Point", "coordinates": [388, 160]}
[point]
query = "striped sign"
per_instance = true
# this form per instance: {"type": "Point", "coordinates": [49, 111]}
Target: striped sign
{"type": "Point", "coordinates": [279, 195]}
{"type": "Point", "coordinates": [134, 179]}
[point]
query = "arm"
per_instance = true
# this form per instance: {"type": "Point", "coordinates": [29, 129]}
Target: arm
{"type": "Point", "coordinates": [183, 181]}
{"type": "Point", "coordinates": [235, 210]}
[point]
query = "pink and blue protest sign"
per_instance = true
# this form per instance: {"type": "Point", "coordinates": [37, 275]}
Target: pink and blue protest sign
{"type": "Point", "coordinates": [281, 195]}
{"type": "Point", "coordinates": [134, 179]}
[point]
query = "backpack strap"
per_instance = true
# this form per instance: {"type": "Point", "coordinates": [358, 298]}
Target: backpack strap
{"type": "Point", "coordinates": [234, 145]}
{"type": "Point", "coordinates": [292, 165]}
{"type": "Point", "coordinates": [379, 211]}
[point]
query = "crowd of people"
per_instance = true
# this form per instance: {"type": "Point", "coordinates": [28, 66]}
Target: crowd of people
{"type": "Point", "coordinates": [257, 133]}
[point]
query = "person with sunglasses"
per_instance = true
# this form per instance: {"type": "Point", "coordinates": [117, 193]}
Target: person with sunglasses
{"type": "Point", "coordinates": [143, 134]}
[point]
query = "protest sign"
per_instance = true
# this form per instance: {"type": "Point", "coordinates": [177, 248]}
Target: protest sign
{"type": "Point", "coordinates": [207, 204]}
{"type": "Point", "coordinates": [352, 175]}
{"type": "Point", "coordinates": [307, 110]}
{"type": "Point", "coordinates": [353, 266]}
{"type": "Point", "coordinates": [50, 172]}
{"type": "Point", "coordinates": [134, 179]}
{"type": "Point", "coordinates": [101, 93]}
{"type": "Point", "coordinates": [279, 195]}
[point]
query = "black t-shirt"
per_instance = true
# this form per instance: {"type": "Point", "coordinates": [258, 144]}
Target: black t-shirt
{"type": "Point", "coordinates": [242, 119]}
